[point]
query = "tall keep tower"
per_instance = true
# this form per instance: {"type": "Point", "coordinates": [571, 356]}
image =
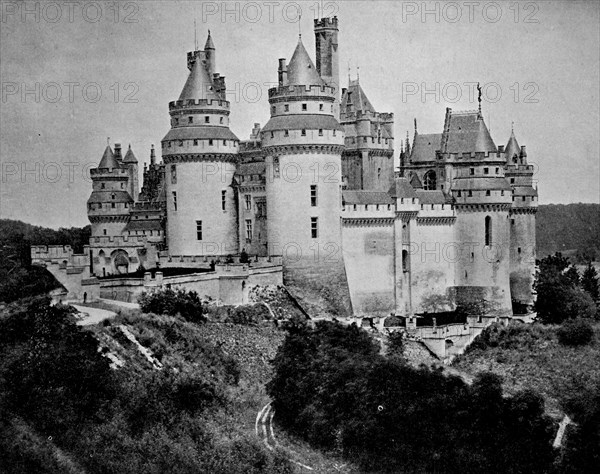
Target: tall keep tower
{"type": "Point", "coordinates": [200, 155]}
{"type": "Point", "coordinates": [303, 142]}
{"type": "Point", "coordinates": [522, 224]}
{"type": "Point", "coordinates": [328, 67]}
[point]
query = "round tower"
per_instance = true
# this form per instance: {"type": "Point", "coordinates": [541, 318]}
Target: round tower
{"type": "Point", "coordinates": [200, 155]}
{"type": "Point", "coordinates": [303, 143]}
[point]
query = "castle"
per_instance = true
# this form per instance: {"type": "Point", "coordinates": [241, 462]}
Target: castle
{"type": "Point", "coordinates": [315, 196]}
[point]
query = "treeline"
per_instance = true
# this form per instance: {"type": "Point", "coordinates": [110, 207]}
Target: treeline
{"type": "Point", "coordinates": [131, 420]}
{"type": "Point", "coordinates": [18, 278]}
{"type": "Point", "coordinates": [333, 388]}
{"type": "Point", "coordinates": [572, 229]}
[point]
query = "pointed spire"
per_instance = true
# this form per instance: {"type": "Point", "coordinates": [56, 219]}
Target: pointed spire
{"type": "Point", "coordinates": [198, 85]}
{"type": "Point", "coordinates": [301, 70]}
{"type": "Point", "coordinates": [108, 160]}
{"type": "Point", "coordinates": [129, 156]}
{"type": "Point", "coordinates": [209, 42]}
{"type": "Point", "coordinates": [512, 149]}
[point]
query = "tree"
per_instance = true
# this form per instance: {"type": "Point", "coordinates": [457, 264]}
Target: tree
{"type": "Point", "coordinates": [589, 281]}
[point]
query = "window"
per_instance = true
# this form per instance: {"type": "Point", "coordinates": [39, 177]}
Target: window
{"type": "Point", "coordinates": [102, 185]}
{"type": "Point", "coordinates": [104, 231]}
{"type": "Point", "coordinates": [512, 180]}
{"type": "Point", "coordinates": [174, 200]}
{"type": "Point", "coordinates": [405, 261]}
{"type": "Point", "coordinates": [198, 230]}
{"type": "Point", "coordinates": [195, 142]}
{"type": "Point", "coordinates": [223, 199]}
{"type": "Point", "coordinates": [207, 119]}
{"type": "Point", "coordinates": [224, 142]}
{"type": "Point", "coordinates": [497, 170]}
{"type": "Point", "coordinates": [248, 201]}
{"type": "Point", "coordinates": [334, 132]}
{"type": "Point", "coordinates": [112, 196]}
{"type": "Point", "coordinates": [313, 195]}
{"type": "Point", "coordinates": [173, 174]}
{"type": "Point", "coordinates": [221, 120]}
{"type": "Point", "coordinates": [519, 250]}
{"type": "Point", "coordinates": [303, 132]}
{"type": "Point", "coordinates": [470, 193]}
{"type": "Point", "coordinates": [176, 121]}
{"type": "Point", "coordinates": [378, 174]}
{"type": "Point", "coordinates": [210, 142]}
{"type": "Point", "coordinates": [169, 144]}
{"type": "Point", "coordinates": [512, 222]}
{"type": "Point", "coordinates": [180, 142]}
{"type": "Point", "coordinates": [190, 119]}
{"type": "Point", "coordinates": [286, 133]}
{"type": "Point", "coordinates": [304, 107]}
{"type": "Point", "coordinates": [488, 231]}
{"type": "Point", "coordinates": [122, 185]}
{"type": "Point", "coordinates": [320, 106]}
{"type": "Point", "coordinates": [488, 193]}
{"type": "Point", "coordinates": [430, 181]}
{"type": "Point", "coordinates": [314, 227]}
{"type": "Point", "coordinates": [486, 171]}
{"type": "Point", "coordinates": [286, 107]}
{"type": "Point", "coordinates": [459, 194]}
{"type": "Point", "coordinates": [471, 171]}
{"type": "Point", "coordinates": [112, 204]}
{"type": "Point", "coordinates": [320, 132]}
{"type": "Point", "coordinates": [273, 110]}
{"type": "Point", "coordinates": [248, 229]}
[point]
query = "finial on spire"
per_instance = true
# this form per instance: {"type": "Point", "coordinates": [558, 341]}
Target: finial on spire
{"type": "Point", "coordinates": [358, 73]}
{"type": "Point", "coordinates": [300, 27]}
{"type": "Point", "coordinates": [415, 125]}
{"type": "Point", "coordinates": [512, 126]}
{"type": "Point", "coordinates": [108, 141]}
{"type": "Point", "coordinates": [479, 97]}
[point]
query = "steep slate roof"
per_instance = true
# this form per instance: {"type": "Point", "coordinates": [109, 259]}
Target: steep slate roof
{"type": "Point", "coordinates": [198, 85]}
{"type": "Point", "coordinates": [512, 148]}
{"type": "Point", "coordinates": [356, 96]}
{"type": "Point", "coordinates": [366, 197]}
{"type": "Point", "coordinates": [200, 133]}
{"type": "Point", "coordinates": [304, 121]}
{"type": "Point", "coordinates": [467, 134]}
{"type": "Point", "coordinates": [108, 159]}
{"type": "Point", "coordinates": [106, 196]}
{"type": "Point", "coordinates": [431, 197]}
{"type": "Point", "coordinates": [480, 183]}
{"type": "Point", "coordinates": [130, 157]}
{"type": "Point", "coordinates": [402, 189]}
{"type": "Point", "coordinates": [301, 70]}
{"type": "Point", "coordinates": [425, 146]}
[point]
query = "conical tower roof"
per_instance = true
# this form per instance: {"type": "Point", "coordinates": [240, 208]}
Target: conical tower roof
{"type": "Point", "coordinates": [198, 84]}
{"type": "Point", "coordinates": [209, 42]}
{"type": "Point", "coordinates": [108, 159]}
{"type": "Point", "coordinates": [512, 147]}
{"type": "Point", "coordinates": [130, 157]}
{"type": "Point", "coordinates": [301, 70]}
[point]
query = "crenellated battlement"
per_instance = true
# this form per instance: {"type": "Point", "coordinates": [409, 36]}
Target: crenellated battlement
{"type": "Point", "coordinates": [114, 173]}
{"type": "Point", "coordinates": [118, 241]}
{"type": "Point", "coordinates": [367, 115]}
{"type": "Point", "coordinates": [315, 92]}
{"type": "Point", "coordinates": [473, 156]}
{"type": "Point", "coordinates": [196, 103]}
{"type": "Point", "coordinates": [326, 23]}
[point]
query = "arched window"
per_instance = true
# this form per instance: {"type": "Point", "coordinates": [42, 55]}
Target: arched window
{"type": "Point", "coordinates": [488, 231]}
{"type": "Point", "coordinates": [429, 180]}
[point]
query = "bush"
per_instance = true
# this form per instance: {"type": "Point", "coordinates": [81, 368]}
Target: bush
{"type": "Point", "coordinates": [173, 302]}
{"type": "Point", "coordinates": [575, 332]}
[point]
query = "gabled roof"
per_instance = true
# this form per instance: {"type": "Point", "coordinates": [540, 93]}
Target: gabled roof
{"type": "Point", "coordinates": [512, 147]}
{"type": "Point", "coordinates": [425, 146]}
{"type": "Point", "coordinates": [198, 84]}
{"type": "Point", "coordinates": [301, 70]}
{"type": "Point", "coordinates": [129, 156]}
{"type": "Point", "coordinates": [366, 197]}
{"type": "Point", "coordinates": [108, 159]}
{"type": "Point", "coordinates": [402, 189]}
{"type": "Point", "coordinates": [467, 133]}
{"type": "Point", "coordinates": [355, 95]}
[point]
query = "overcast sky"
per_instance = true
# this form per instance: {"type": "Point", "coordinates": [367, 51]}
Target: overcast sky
{"type": "Point", "coordinates": [538, 63]}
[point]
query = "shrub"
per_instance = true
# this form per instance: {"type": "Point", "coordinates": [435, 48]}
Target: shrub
{"type": "Point", "coordinates": [173, 302]}
{"type": "Point", "coordinates": [575, 332]}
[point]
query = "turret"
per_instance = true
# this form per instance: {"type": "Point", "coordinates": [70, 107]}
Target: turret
{"type": "Point", "coordinates": [131, 163]}
{"type": "Point", "coordinates": [326, 43]}
{"type": "Point", "coordinates": [209, 50]}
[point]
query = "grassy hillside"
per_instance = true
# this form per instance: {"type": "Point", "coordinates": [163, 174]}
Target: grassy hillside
{"type": "Point", "coordinates": [530, 356]}
{"type": "Point", "coordinates": [573, 229]}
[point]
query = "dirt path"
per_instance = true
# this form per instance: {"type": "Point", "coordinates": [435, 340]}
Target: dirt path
{"type": "Point", "coordinates": [91, 316]}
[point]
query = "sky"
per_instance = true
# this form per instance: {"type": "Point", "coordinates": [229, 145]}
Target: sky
{"type": "Point", "coordinates": [76, 73]}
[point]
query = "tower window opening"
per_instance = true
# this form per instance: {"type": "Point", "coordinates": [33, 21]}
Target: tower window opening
{"type": "Point", "coordinates": [248, 230]}
{"type": "Point", "coordinates": [471, 171]}
{"type": "Point", "coordinates": [497, 170]}
{"type": "Point", "coordinates": [512, 180]}
{"type": "Point", "coordinates": [523, 198]}
{"type": "Point", "coordinates": [286, 133]}
{"type": "Point", "coordinates": [488, 193]}
{"type": "Point", "coordinates": [221, 120]}
{"type": "Point", "coordinates": [405, 261]}
{"type": "Point", "coordinates": [224, 142]}
{"type": "Point", "coordinates": [486, 171]}
{"type": "Point", "coordinates": [210, 142]}
{"type": "Point", "coordinates": [173, 174]}
{"type": "Point", "coordinates": [99, 205]}
{"type": "Point", "coordinates": [320, 106]}
{"type": "Point", "coordinates": [112, 196]}
{"type": "Point", "coordinates": [104, 231]}
{"type": "Point", "coordinates": [501, 193]}
{"type": "Point", "coordinates": [364, 139]}
{"type": "Point", "coordinates": [378, 174]}
{"type": "Point", "coordinates": [488, 231]}
{"type": "Point", "coordinates": [113, 205]}
{"type": "Point", "coordinates": [272, 134]}
{"type": "Point", "coordinates": [430, 181]}
{"type": "Point", "coordinates": [198, 230]}
{"type": "Point", "coordinates": [248, 201]}
{"type": "Point", "coordinates": [304, 107]}
{"type": "Point", "coordinates": [313, 195]}
{"type": "Point", "coordinates": [223, 199]}
{"type": "Point", "coordinates": [320, 132]}
{"type": "Point", "coordinates": [180, 142]}
{"type": "Point", "coordinates": [195, 142]}
{"type": "Point", "coordinates": [174, 200]}
{"type": "Point", "coordinates": [354, 207]}
{"type": "Point", "coordinates": [512, 222]}
{"type": "Point", "coordinates": [519, 250]}
{"type": "Point", "coordinates": [207, 119]}
{"type": "Point", "coordinates": [286, 107]}
{"type": "Point", "coordinates": [314, 227]}
{"type": "Point", "coordinates": [459, 194]}
{"type": "Point", "coordinates": [470, 194]}
{"type": "Point", "coordinates": [122, 185]}
{"type": "Point", "coordinates": [303, 132]}
{"type": "Point", "coordinates": [273, 109]}
{"type": "Point", "coordinates": [176, 121]}
{"type": "Point", "coordinates": [334, 133]}
{"type": "Point", "coordinates": [190, 119]}
{"type": "Point", "coordinates": [102, 185]}
{"type": "Point", "coordinates": [169, 144]}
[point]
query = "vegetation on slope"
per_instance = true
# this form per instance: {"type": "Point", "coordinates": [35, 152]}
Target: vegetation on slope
{"type": "Point", "coordinates": [572, 229]}
{"type": "Point", "coordinates": [333, 388]}
{"type": "Point", "coordinates": [134, 419]}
